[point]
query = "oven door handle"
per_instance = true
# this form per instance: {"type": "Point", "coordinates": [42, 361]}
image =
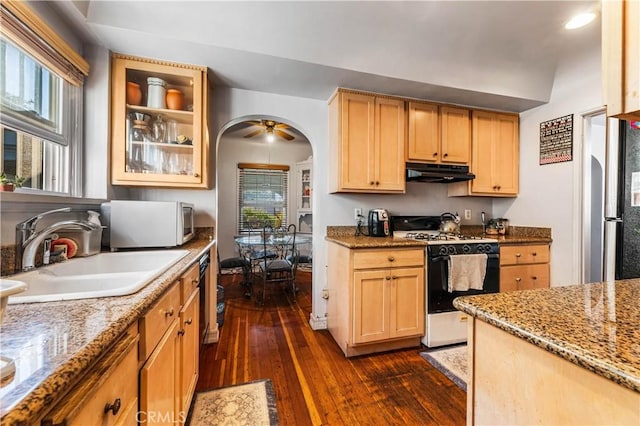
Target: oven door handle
{"type": "Point", "coordinates": [446, 257]}
{"type": "Point", "coordinates": [439, 258]}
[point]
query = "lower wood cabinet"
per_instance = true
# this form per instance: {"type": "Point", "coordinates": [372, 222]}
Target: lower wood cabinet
{"type": "Point", "coordinates": [169, 373]}
{"type": "Point", "coordinates": [189, 350]}
{"type": "Point", "coordinates": [150, 374]}
{"type": "Point", "coordinates": [376, 298]}
{"type": "Point", "coordinates": [109, 393]}
{"type": "Point", "coordinates": [524, 267]}
{"type": "Point", "coordinates": [159, 401]}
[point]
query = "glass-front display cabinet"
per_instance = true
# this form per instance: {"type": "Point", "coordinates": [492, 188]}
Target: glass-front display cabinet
{"type": "Point", "coordinates": [304, 190]}
{"type": "Point", "coordinates": [159, 132]}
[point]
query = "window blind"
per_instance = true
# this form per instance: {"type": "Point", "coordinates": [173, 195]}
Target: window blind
{"type": "Point", "coordinates": [24, 28]}
{"type": "Point", "coordinates": [262, 196]}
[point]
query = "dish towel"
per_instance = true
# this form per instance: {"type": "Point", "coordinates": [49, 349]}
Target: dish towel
{"type": "Point", "coordinates": [467, 271]}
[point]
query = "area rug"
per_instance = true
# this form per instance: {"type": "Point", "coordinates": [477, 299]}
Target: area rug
{"type": "Point", "coordinates": [252, 403]}
{"type": "Point", "coordinates": [452, 362]}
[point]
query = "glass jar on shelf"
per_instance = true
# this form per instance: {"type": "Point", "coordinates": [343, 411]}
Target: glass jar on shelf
{"type": "Point", "coordinates": [159, 129]}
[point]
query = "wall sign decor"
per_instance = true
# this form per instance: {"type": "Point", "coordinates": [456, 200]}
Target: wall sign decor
{"type": "Point", "coordinates": [556, 140]}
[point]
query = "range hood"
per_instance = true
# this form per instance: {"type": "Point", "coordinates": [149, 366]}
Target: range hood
{"type": "Point", "coordinates": [437, 173]}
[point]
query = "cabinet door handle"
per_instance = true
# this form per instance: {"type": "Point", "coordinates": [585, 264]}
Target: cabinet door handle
{"type": "Point", "coordinates": [435, 154]}
{"type": "Point", "coordinates": [188, 321]}
{"type": "Point", "coordinates": [534, 254]}
{"type": "Point", "coordinates": [196, 175]}
{"type": "Point", "coordinates": [394, 277]}
{"type": "Point", "coordinates": [391, 258]}
{"type": "Point", "coordinates": [518, 280]}
{"type": "Point", "coordinates": [169, 313]}
{"type": "Point", "coordinates": [518, 254]}
{"type": "Point", "coordinates": [181, 332]}
{"type": "Point", "coordinates": [387, 278]}
{"type": "Point", "coordinates": [534, 277]}
{"type": "Point", "coordinates": [194, 282]}
{"type": "Point", "coordinates": [372, 183]}
{"type": "Point", "coordinates": [377, 183]}
{"type": "Point", "coordinates": [445, 155]}
{"type": "Point", "coordinates": [114, 408]}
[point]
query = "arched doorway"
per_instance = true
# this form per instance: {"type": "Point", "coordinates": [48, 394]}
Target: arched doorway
{"type": "Point", "coordinates": [245, 140]}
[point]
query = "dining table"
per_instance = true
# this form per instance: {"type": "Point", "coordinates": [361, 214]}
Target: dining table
{"type": "Point", "coordinates": [253, 246]}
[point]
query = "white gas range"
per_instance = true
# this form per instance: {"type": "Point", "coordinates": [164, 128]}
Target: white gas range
{"type": "Point", "coordinates": [444, 324]}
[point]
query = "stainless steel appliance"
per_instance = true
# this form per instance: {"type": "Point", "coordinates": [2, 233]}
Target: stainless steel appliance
{"type": "Point", "coordinates": [378, 223]}
{"type": "Point", "coordinates": [622, 208]}
{"type": "Point", "coordinates": [437, 173]}
{"type": "Point", "coordinates": [137, 224]}
{"type": "Point", "coordinates": [445, 325]}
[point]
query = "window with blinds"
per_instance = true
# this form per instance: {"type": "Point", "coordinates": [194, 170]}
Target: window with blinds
{"type": "Point", "coordinates": [262, 196]}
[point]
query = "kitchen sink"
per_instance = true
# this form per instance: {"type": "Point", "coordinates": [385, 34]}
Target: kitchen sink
{"type": "Point", "coordinates": [101, 275]}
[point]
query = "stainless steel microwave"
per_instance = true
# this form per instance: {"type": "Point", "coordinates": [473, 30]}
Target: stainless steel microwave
{"type": "Point", "coordinates": [139, 224]}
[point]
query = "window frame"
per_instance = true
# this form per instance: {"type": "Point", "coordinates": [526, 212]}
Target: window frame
{"type": "Point", "coordinates": [267, 169]}
{"type": "Point", "coordinates": [26, 31]}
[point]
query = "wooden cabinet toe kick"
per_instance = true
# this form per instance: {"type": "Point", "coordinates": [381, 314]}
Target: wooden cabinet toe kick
{"type": "Point", "coordinates": [364, 349]}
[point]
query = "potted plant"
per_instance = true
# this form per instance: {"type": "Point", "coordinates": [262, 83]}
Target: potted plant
{"type": "Point", "coordinates": [8, 184]}
{"type": "Point", "coordinates": [18, 181]}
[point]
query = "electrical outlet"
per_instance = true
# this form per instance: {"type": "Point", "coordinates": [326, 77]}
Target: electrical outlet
{"type": "Point", "coordinates": [467, 214]}
{"type": "Point", "coordinates": [357, 213]}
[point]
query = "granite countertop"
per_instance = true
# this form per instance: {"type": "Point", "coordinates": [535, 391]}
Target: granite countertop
{"type": "Point", "coordinates": [53, 343]}
{"type": "Point", "coordinates": [595, 326]}
{"type": "Point", "coordinates": [520, 239]}
{"type": "Point", "coordinates": [515, 235]}
{"type": "Point", "coordinates": [362, 241]}
{"type": "Point", "coordinates": [345, 235]}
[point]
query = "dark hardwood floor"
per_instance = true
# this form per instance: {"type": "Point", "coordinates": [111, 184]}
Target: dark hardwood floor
{"type": "Point", "coordinates": [314, 383]}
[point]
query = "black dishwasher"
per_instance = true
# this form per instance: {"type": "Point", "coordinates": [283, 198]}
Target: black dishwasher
{"type": "Point", "coordinates": [204, 263]}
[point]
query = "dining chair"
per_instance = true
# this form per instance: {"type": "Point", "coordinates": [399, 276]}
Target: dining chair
{"type": "Point", "coordinates": [281, 268]}
{"type": "Point", "coordinates": [231, 264]}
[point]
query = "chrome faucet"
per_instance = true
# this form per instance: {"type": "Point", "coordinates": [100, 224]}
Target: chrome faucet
{"type": "Point", "coordinates": [28, 239]}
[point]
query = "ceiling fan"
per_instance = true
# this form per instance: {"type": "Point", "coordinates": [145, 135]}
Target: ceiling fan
{"type": "Point", "coordinates": [271, 128]}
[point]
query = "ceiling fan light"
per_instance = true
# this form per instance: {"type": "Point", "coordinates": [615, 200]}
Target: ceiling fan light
{"type": "Point", "coordinates": [580, 20]}
{"type": "Point", "coordinates": [270, 137]}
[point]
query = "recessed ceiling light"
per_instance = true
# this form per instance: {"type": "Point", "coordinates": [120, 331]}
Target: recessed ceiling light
{"type": "Point", "coordinates": [580, 20]}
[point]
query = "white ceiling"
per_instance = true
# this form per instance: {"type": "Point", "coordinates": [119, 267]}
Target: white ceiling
{"type": "Point", "coordinates": [492, 54]}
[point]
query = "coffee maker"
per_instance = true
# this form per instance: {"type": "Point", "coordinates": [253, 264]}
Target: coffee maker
{"type": "Point", "coordinates": [378, 223]}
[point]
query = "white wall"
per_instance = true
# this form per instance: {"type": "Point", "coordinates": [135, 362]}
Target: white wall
{"type": "Point", "coordinates": [311, 118]}
{"type": "Point", "coordinates": [549, 193]}
{"type": "Point", "coordinates": [232, 151]}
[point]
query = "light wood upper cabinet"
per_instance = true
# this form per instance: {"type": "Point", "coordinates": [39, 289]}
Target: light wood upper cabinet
{"type": "Point", "coordinates": [438, 134]}
{"type": "Point", "coordinates": [366, 143]}
{"type": "Point", "coordinates": [495, 155]}
{"type": "Point", "coordinates": [455, 129]}
{"type": "Point", "coordinates": [621, 58]}
{"type": "Point", "coordinates": [177, 154]}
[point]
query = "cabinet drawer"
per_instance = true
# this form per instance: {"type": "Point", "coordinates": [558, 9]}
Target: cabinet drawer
{"type": "Point", "coordinates": [519, 255]}
{"type": "Point", "coordinates": [370, 259]}
{"type": "Point", "coordinates": [155, 322]}
{"type": "Point", "coordinates": [189, 282]}
{"type": "Point", "coordinates": [524, 277]}
{"type": "Point", "coordinates": [112, 382]}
